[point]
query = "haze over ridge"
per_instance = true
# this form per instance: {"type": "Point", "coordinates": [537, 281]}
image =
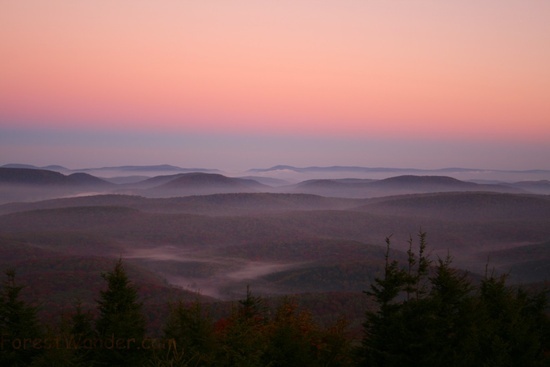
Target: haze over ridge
{"type": "Point", "coordinates": [235, 86]}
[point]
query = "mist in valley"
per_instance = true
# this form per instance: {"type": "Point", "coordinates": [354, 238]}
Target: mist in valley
{"type": "Point", "coordinates": [283, 230]}
{"type": "Point", "coordinates": [219, 277]}
{"type": "Point", "coordinates": [305, 242]}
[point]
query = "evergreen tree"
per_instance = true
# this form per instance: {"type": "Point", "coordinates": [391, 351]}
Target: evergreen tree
{"type": "Point", "coordinates": [244, 338]}
{"type": "Point", "coordinates": [446, 322]}
{"type": "Point", "coordinates": [81, 333]}
{"type": "Point", "coordinates": [514, 325]}
{"type": "Point", "coordinates": [59, 349]}
{"type": "Point", "coordinates": [439, 323]}
{"type": "Point", "coordinates": [294, 339]}
{"type": "Point", "coordinates": [120, 325]}
{"type": "Point", "coordinates": [20, 332]}
{"type": "Point", "coordinates": [385, 322]}
{"type": "Point", "coordinates": [193, 333]}
{"type": "Point", "coordinates": [253, 308]}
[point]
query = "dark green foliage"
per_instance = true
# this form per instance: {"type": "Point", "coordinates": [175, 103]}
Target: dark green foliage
{"type": "Point", "coordinates": [253, 336]}
{"type": "Point", "coordinates": [289, 337]}
{"type": "Point", "coordinates": [81, 330]}
{"type": "Point", "coordinates": [20, 332]}
{"type": "Point", "coordinates": [119, 308]}
{"type": "Point", "coordinates": [192, 332]}
{"type": "Point", "coordinates": [427, 314]}
{"type": "Point", "coordinates": [120, 321]}
{"type": "Point", "coordinates": [515, 328]}
{"type": "Point", "coordinates": [81, 322]}
{"type": "Point", "coordinates": [293, 338]}
{"type": "Point", "coordinates": [252, 309]}
{"type": "Point", "coordinates": [438, 318]}
{"type": "Point", "coordinates": [243, 338]}
{"type": "Point", "coordinates": [68, 340]}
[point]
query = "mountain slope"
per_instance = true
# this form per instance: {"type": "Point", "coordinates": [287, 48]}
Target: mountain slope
{"type": "Point", "coordinates": [215, 204]}
{"type": "Point", "coordinates": [537, 187]}
{"type": "Point", "coordinates": [464, 206]}
{"type": "Point", "coordinates": [33, 177]}
{"type": "Point", "coordinates": [56, 281]}
{"type": "Point", "coordinates": [398, 185]}
{"type": "Point", "coordinates": [198, 183]}
{"type": "Point", "coordinates": [25, 184]}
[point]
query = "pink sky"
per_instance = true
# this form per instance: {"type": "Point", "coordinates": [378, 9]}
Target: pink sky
{"type": "Point", "coordinates": [465, 70]}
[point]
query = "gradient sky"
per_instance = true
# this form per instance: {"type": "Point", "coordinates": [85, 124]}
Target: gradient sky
{"type": "Point", "coordinates": [243, 84]}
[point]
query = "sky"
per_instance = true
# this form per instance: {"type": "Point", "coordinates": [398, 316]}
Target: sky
{"type": "Point", "coordinates": [252, 84]}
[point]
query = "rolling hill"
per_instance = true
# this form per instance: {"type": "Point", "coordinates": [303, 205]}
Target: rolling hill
{"type": "Point", "coordinates": [215, 204]}
{"type": "Point", "coordinates": [202, 235]}
{"type": "Point", "coordinates": [463, 206]}
{"type": "Point", "coordinates": [198, 183]}
{"type": "Point", "coordinates": [523, 264]}
{"type": "Point", "coordinates": [24, 184]}
{"type": "Point", "coordinates": [398, 185]}
{"type": "Point", "coordinates": [29, 184]}
{"type": "Point", "coordinates": [58, 280]}
{"type": "Point", "coordinates": [198, 241]}
{"type": "Point", "coordinates": [32, 177]}
{"type": "Point", "coordinates": [187, 234]}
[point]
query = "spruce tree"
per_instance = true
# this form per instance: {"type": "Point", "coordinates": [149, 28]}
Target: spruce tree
{"type": "Point", "coordinates": [81, 333]}
{"type": "Point", "coordinates": [244, 338]}
{"type": "Point", "coordinates": [443, 320]}
{"type": "Point", "coordinates": [193, 333]}
{"type": "Point", "coordinates": [384, 323]}
{"type": "Point", "coordinates": [293, 338]}
{"type": "Point", "coordinates": [20, 332]}
{"type": "Point", "coordinates": [120, 325]}
{"type": "Point", "coordinates": [514, 325]}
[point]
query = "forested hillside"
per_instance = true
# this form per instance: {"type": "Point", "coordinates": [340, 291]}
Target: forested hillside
{"type": "Point", "coordinates": [303, 261]}
{"type": "Point", "coordinates": [424, 312]}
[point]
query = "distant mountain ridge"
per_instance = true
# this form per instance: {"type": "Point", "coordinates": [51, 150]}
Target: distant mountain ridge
{"type": "Point", "coordinates": [199, 183]}
{"type": "Point", "coordinates": [27, 166]}
{"type": "Point", "coordinates": [332, 169]}
{"type": "Point", "coordinates": [24, 184]}
{"type": "Point", "coordinates": [36, 177]}
{"type": "Point", "coordinates": [419, 180]}
{"type": "Point", "coordinates": [336, 168]}
{"type": "Point", "coordinates": [397, 185]}
{"type": "Point", "coordinates": [232, 203]}
{"type": "Point", "coordinates": [28, 176]}
{"type": "Point", "coordinates": [463, 206]}
{"type": "Point", "coordinates": [212, 235]}
{"type": "Point", "coordinates": [28, 184]}
{"type": "Point", "coordinates": [199, 178]}
{"type": "Point", "coordinates": [128, 168]}
{"type": "Point", "coordinates": [151, 168]}
{"type": "Point", "coordinates": [382, 169]}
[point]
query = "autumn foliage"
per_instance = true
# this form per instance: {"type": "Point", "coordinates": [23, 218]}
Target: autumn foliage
{"type": "Point", "coordinates": [425, 313]}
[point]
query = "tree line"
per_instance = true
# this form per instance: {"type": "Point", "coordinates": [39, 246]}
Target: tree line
{"type": "Point", "coordinates": [426, 314]}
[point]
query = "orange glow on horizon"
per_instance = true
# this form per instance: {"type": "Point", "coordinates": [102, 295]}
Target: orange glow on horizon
{"type": "Point", "coordinates": [350, 68]}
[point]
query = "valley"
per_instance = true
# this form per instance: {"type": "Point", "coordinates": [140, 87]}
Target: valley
{"type": "Point", "coordinates": [208, 235]}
